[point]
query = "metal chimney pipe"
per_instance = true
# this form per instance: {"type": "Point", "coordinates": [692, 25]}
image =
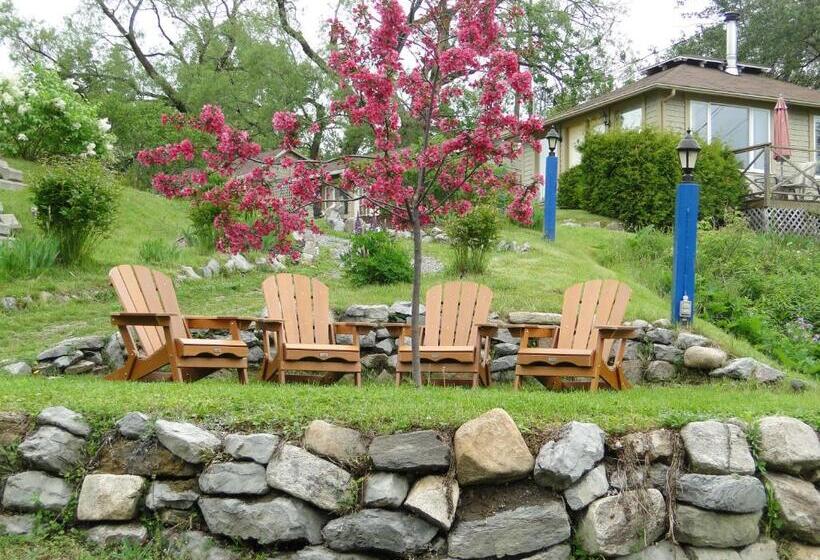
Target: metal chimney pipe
{"type": "Point", "coordinates": [731, 42]}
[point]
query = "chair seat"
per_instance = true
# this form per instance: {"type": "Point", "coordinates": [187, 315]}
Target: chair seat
{"type": "Point", "coordinates": [188, 347]}
{"type": "Point", "coordinates": [322, 352]}
{"type": "Point", "coordinates": [581, 357]}
{"type": "Point", "coordinates": [465, 354]}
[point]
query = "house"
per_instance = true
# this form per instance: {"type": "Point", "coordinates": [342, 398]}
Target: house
{"type": "Point", "coordinates": [714, 98]}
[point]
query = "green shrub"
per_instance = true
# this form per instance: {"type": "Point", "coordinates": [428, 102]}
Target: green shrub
{"type": "Point", "coordinates": [632, 175]}
{"type": "Point", "coordinates": [570, 188]}
{"type": "Point", "coordinates": [375, 258]}
{"type": "Point", "coordinates": [472, 237]}
{"type": "Point", "coordinates": [43, 116]}
{"type": "Point", "coordinates": [27, 256]}
{"type": "Point", "coordinates": [158, 251]}
{"type": "Point", "coordinates": [76, 203]}
{"type": "Point", "coordinates": [201, 233]}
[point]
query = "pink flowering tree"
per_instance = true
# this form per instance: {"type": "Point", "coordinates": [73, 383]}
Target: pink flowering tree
{"type": "Point", "coordinates": [391, 62]}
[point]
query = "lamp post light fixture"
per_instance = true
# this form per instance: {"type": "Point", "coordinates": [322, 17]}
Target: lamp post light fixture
{"type": "Point", "coordinates": [551, 184]}
{"type": "Point", "coordinates": [687, 202]}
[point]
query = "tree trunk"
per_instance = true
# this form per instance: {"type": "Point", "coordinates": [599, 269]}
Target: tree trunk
{"type": "Point", "coordinates": [414, 315]}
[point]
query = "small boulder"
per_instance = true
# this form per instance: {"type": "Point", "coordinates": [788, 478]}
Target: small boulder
{"type": "Point", "coordinates": [590, 487]}
{"type": "Point", "coordinates": [308, 477]}
{"type": "Point", "coordinates": [504, 363]}
{"type": "Point", "coordinates": [505, 349]}
{"type": "Point", "coordinates": [660, 336]}
{"type": "Point", "coordinates": [52, 449]}
{"type": "Point", "coordinates": [253, 447]}
{"type": "Point", "coordinates": [667, 353]}
{"type": "Point", "coordinates": [797, 551]}
{"type": "Point", "coordinates": [788, 445]}
{"type": "Point", "coordinates": [66, 419]}
{"type": "Point", "coordinates": [172, 494]}
{"type": "Point", "coordinates": [335, 442]}
{"type": "Point", "coordinates": [662, 550]}
{"type": "Point", "coordinates": [55, 352]}
{"type": "Point", "coordinates": [490, 449]}
{"type": "Point", "coordinates": [322, 553]}
{"type": "Point", "coordinates": [17, 368]}
{"type": "Point", "coordinates": [732, 493]}
{"type": "Point", "coordinates": [109, 497]}
{"type": "Point", "coordinates": [659, 371]}
{"type": "Point", "coordinates": [196, 545]}
{"type": "Point", "coordinates": [189, 442]}
{"type": "Point", "coordinates": [699, 527]}
{"type": "Point", "coordinates": [654, 445]}
{"type": "Point", "coordinates": [563, 461]}
{"type": "Point", "coordinates": [13, 427]}
{"type": "Point", "coordinates": [134, 425]}
{"type": "Point", "coordinates": [619, 525]}
{"type": "Point", "coordinates": [717, 448]}
{"type": "Point", "coordinates": [379, 530]}
{"type": "Point", "coordinates": [557, 552]}
{"type": "Point", "coordinates": [238, 263]}
{"type": "Point", "coordinates": [17, 525]}
{"type": "Point", "coordinates": [420, 452]}
{"type": "Point", "coordinates": [387, 346]}
{"type": "Point", "coordinates": [764, 549]}
{"type": "Point", "coordinates": [434, 498]}
{"type": "Point", "coordinates": [145, 457]}
{"type": "Point", "coordinates": [687, 340]}
{"type": "Point", "coordinates": [701, 553]}
{"type": "Point", "coordinates": [234, 479]}
{"type": "Point", "coordinates": [116, 535]}
{"type": "Point", "coordinates": [748, 368]}
{"type": "Point", "coordinates": [385, 490]}
{"type": "Point", "coordinates": [368, 312]}
{"type": "Point", "coordinates": [704, 358]}
{"type": "Point", "coordinates": [31, 491]}
{"type": "Point", "coordinates": [534, 318]}
{"type": "Point", "coordinates": [799, 506]}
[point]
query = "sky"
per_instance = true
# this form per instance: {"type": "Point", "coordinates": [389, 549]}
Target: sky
{"type": "Point", "coordinates": [646, 24]}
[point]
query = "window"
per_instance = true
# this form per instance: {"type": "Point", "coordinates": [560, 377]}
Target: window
{"type": "Point", "coordinates": [632, 119]}
{"type": "Point", "coordinates": [736, 126]}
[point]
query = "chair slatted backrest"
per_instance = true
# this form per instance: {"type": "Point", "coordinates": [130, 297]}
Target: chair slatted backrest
{"type": "Point", "coordinates": [454, 310]}
{"type": "Point", "coordinates": [142, 290]}
{"type": "Point", "coordinates": [597, 302]}
{"type": "Point", "coordinates": [302, 304]}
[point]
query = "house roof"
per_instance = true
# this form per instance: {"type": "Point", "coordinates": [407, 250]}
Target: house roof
{"type": "Point", "coordinates": [687, 74]}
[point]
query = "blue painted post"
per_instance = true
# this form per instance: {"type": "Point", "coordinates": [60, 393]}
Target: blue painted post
{"type": "Point", "coordinates": [687, 200]}
{"type": "Point", "coordinates": [550, 195]}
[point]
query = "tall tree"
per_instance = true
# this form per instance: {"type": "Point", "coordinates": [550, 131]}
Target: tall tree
{"type": "Point", "coordinates": [783, 34]}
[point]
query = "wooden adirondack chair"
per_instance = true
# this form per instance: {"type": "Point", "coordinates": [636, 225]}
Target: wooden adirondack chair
{"type": "Point", "coordinates": [300, 329]}
{"type": "Point", "coordinates": [451, 338]}
{"type": "Point", "coordinates": [590, 323]}
{"type": "Point", "coordinates": [156, 334]}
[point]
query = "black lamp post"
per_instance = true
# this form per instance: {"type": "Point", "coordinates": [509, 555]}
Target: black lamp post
{"type": "Point", "coordinates": [551, 184]}
{"type": "Point", "coordinates": [553, 137]}
{"type": "Point", "coordinates": [688, 150]}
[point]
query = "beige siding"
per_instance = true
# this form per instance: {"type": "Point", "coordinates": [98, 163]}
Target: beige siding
{"type": "Point", "coordinates": [651, 110]}
{"type": "Point", "coordinates": [673, 113]}
{"type": "Point", "coordinates": [800, 130]}
{"type": "Point", "coordinates": [525, 165]}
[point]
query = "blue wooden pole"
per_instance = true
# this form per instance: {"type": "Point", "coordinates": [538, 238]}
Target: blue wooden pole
{"type": "Point", "coordinates": [550, 195]}
{"type": "Point", "coordinates": [687, 199]}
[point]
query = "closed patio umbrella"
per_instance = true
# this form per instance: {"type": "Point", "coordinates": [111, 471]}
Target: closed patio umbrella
{"type": "Point", "coordinates": [781, 144]}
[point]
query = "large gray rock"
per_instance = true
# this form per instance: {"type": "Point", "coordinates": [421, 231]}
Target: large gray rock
{"type": "Point", "coordinates": [379, 530]}
{"type": "Point", "coordinates": [667, 353]}
{"type": "Point", "coordinates": [590, 487]}
{"type": "Point", "coordinates": [173, 494]}
{"type": "Point", "coordinates": [686, 340]}
{"type": "Point", "coordinates": [651, 446]}
{"type": "Point", "coordinates": [490, 449]}
{"type": "Point", "coordinates": [17, 368]}
{"type": "Point", "coordinates": [308, 477]}
{"type": "Point", "coordinates": [234, 479]}
{"type": "Point", "coordinates": [66, 419]}
{"type": "Point", "coordinates": [17, 524]}
{"type": "Point", "coordinates": [505, 349]}
{"type": "Point", "coordinates": [659, 371]}
{"type": "Point", "coordinates": [335, 442]}
{"type": "Point", "coordinates": [434, 498]}
{"type": "Point", "coordinates": [701, 553]}
{"type": "Point", "coordinates": [55, 352]}
{"type": "Point", "coordinates": [134, 425]}
{"type": "Point", "coordinates": [188, 442]}
{"type": "Point", "coordinates": [534, 318]}
{"type": "Point", "coordinates": [748, 368]}
{"type": "Point", "coordinates": [31, 491]}
{"type": "Point", "coordinates": [711, 529]}
{"type": "Point", "coordinates": [109, 497]}
{"type": "Point", "coordinates": [662, 550]}
{"type": "Point", "coordinates": [717, 448]}
{"type": "Point", "coordinates": [53, 450]}
{"type": "Point", "coordinates": [265, 520]}
{"type": "Point", "coordinates": [115, 535]}
{"type": "Point", "coordinates": [368, 312]}
{"type": "Point", "coordinates": [90, 342]}
{"type": "Point", "coordinates": [557, 552]}
{"type": "Point", "coordinates": [253, 447]}
{"type": "Point", "coordinates": [619, 525]}
{"type": "Point", "coordinates": [704, 357]}
{"type": "Point", "coordinates": [196, 545]}
{"type": "Point", "coordinates": [764, 549]}
{"type": "Point", "coordinates": [145, 457]}
{"type": "Point", "coordinates": [788, 445]}
{"type": "Point", "coordinates": [403, 309]}
{"type": "Point", "coordinates": [799, 506]}
{"type": "Point", "coordinates": [660, 336]}
{"type": "Point", "coordinates": [562, 462]}
{"type": "Point", "coordinates": [732, 493]}
{"type": "Point", "coordinates": [503, 363]}
{"type": "Point", "coordinates": [385, 490]}
{"type": "Point", "coordinates": [518, 531]}
{"type": "Point", "coordinates": [797, 551]}
{"type": "Point", "coordinates": [419, 452]}
{"type": "Point", "coordinates": [322, 553]}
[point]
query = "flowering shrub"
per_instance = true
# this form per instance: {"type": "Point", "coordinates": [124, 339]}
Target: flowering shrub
{"type": "Point", "coordinates": [43, 116]}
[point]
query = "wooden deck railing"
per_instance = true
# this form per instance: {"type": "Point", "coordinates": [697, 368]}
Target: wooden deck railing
{"type": "Point", "coordinates": [780, 183]}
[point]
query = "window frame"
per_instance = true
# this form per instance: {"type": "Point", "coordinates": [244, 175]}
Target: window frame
{"type": "Point", "coordinates": [750, 116]}
{"type": "Point", "coordinates": [639, 110]}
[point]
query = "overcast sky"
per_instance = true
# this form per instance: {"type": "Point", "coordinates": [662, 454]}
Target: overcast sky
{"type": "Point", "coordinates": [645, 24]}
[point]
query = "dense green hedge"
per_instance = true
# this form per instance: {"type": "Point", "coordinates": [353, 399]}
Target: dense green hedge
{"type": "Point", "coordinates": [631, 176]}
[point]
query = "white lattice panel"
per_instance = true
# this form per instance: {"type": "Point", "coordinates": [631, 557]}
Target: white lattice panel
{"type": "Point", "coordinates": [784, 220]}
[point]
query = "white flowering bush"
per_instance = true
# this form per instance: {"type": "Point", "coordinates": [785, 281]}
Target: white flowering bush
{"type": "Point", "coordinates": [42, 115]}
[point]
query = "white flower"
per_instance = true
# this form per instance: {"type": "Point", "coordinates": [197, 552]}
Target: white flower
{"type": "Point", "coordinates": [89, 148]}
{"type": "Point", "coordinates": [7, 99]}
{"type": "Point", "coordinates": [59, 103]}
{"type": "Point", "coordinates": [71, 83]}
{"type": "Point", "coordinates": [22, 137]}
{"type": "Point", "coordinates": [23, 108]}
{"type": "Point", "coordinates": [76, 126]}
{"type": "Point", "coordinates": [109, 146]}
{"type": "Point", "coordinates": [104, 125]}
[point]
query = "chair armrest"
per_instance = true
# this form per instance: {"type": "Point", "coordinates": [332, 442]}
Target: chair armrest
{"type": "Point", "coordinates": [486, 329]}
{"type": "Point", "coordinates": [616, 331]}
{"type": "Point", "coordinates": [270, 324]}
{"type": "Point", "coordinates": [533, 330]}
{"type": "Point", "coordinates": [216, 322]}
{"type": "Point", "coordinates": [141, 319]}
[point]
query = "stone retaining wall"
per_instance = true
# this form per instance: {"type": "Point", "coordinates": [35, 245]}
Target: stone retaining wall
{"type": "Point", "coordinates": [483, 491]}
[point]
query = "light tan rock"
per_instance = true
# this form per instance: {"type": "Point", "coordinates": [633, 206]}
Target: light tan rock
{"type": "Point", "coordinates": [799, 506]}
{"type": "Point", "coordinates": [800, 551]}
{"type": "Point", "coordinates": [335, 442]}
{"type": "Point", "coordinates": [109, 497]}
{"type": "Point", "coordinates": [434, 498]}
{"type": "Point", "coordinates": [490, 449]}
